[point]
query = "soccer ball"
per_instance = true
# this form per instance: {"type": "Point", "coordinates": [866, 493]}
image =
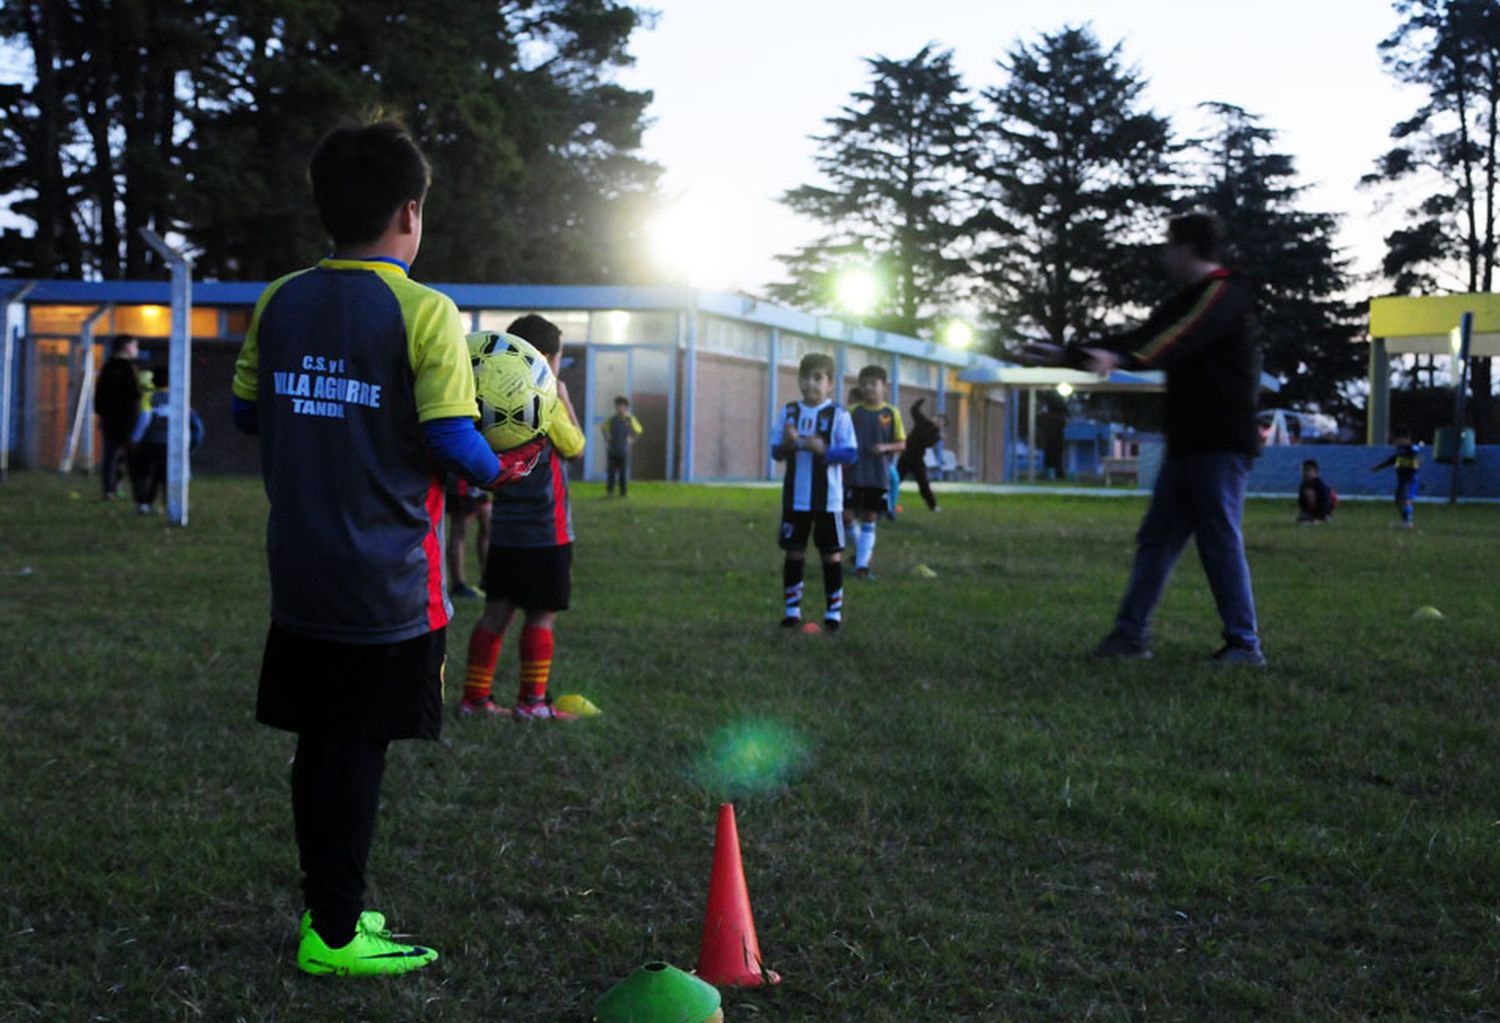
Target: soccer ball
{"type": "Point", "coordinates": [514, 387]}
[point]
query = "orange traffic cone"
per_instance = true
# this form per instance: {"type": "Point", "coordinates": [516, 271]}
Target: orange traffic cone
{"type": "Point", "coordinates": [730, 955]}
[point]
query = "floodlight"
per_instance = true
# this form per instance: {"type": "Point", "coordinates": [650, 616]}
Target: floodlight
{"type": "Point", "coordinates": [855, 289]}
{"type": "Point", "coordinates": [1065, 389]}
{"type": "Point", "coordinates": [958, 334]}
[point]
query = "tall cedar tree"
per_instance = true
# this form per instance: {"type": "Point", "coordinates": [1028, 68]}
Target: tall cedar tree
{"type": "Point", "coordinates": [1451, 49]}
{"type": "Point", "coordinates": [1077, 180]}
{"type": "Point", "coordinates": [895, 163]}
{"type": "Point", "coordinates": [103, 77]}
{"type": "Point", "coordinates": [1287, 256]}
{"type": "Point", "coordinates": [170, 115]}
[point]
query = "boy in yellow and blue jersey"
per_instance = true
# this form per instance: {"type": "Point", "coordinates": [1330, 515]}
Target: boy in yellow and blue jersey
{"type": "Point", "coordinates": [1408, 462]}
{"type": "Point", "coordinates": [621, 431]}
{"type": "Point", "coordinates": [879, 434]}
{"type": "Point", "coordinates": [358, 381]}
{"type": "Point", "coordinates": [815, 439]}
{"type": "Point", "coordinates": [530, 564]}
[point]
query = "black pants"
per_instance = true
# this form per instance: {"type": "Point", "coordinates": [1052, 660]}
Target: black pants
{"type": "Point", "coordinates": [616, 465]}
{"type": "Point", "coordinates": [335, 793]}
{"type": "Point", "coordinates": [116, 450]}
{"type": "Point", "coordinates": [148, 472]}
{"type": "Point", "coordinates": [913, 466]}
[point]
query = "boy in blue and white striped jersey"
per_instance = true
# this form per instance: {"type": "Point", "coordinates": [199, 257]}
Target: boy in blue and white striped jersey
{"type": "Point", "coordinates": [815, 437]}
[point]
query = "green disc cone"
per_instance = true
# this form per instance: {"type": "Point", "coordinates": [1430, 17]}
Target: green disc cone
{"type": "Point", "coordinates": [658, 993]}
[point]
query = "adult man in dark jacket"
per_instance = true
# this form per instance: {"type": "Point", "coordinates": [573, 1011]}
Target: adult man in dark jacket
{"type": "Point", "coordinates": [117, 403]}
{"type": "Point", "coordinates": [1200, 337]}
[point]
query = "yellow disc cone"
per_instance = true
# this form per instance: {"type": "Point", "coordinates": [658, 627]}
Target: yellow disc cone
{"type": "Point", "coordinates": [576, 703]}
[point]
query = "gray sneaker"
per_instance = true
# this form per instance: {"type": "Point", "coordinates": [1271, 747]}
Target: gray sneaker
{"type": "Point", "coordinates": [1231, 654]}
{"type": "Point", "coordinates": [1117, 646]}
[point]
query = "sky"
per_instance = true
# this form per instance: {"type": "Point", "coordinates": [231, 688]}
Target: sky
{"type": "Point", "coordinates": [740, 85]}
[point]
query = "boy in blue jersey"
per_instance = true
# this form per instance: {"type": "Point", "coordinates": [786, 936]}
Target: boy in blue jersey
{"type": "Point", "coordinates": [815, 439]}
{"type": "Point", "coordinates": [621, 431]}
{"type": "Point", "coordinates": [1408, 462]}
{"type": "Point", "coordinates": [358, 382]}
{"type": "Point", "coordinates": [530, 568]}
{"type": "Point", "coordinates": [879, 434]}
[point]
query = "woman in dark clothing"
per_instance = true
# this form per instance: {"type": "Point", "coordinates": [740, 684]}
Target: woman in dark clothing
{"type": "Point", "coordinates": [117, 402]}
{"type": "Point", "coordinates": [924, 434]}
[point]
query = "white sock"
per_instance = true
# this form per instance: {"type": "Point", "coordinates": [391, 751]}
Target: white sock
{"type": "Point", "coordinates": [864, 545]}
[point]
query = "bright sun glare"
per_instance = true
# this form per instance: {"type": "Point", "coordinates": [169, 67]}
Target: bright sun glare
{"type": "Point", "coordinates": [690, 243]}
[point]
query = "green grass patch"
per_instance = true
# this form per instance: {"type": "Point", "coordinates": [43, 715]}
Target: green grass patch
{"type": "Point", "coordinates": [947, 812]}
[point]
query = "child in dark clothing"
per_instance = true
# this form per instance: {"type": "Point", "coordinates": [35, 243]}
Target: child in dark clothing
{"type": "Point", "coordinates": [924, 434]}
{"type": "Point", "coordinates": [1315, 500]}
{"type": "Point", "coordinates": [148, 453]}
{"type": "Point", "coordinates": [621, 431]}
{"type": "Point", "coordinates": [1408, 462]}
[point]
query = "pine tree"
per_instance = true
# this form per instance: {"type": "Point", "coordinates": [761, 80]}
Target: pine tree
{"type": "Point", "coordinates": [895, 164]}
{"type": "Point", "coordinates": [1076, 175]}
{"type": "Point", "coordinates": [1287, 256]}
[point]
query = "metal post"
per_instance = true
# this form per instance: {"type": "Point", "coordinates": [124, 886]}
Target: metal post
{"type": "Point", "coordinates": [1012, 430]}
{"type": "Point", "coordinates": [940, 408]}
{"type": "Point", "coordinates": [688, 328]}
{"type": "Point", "coordinates": [773, 405]}
{"type": "Point", "coordinates": [1378, 404]}
{"type": "Point", "coordinates": [589, 386]}
{"type": "Point", "coordinates": [179, 374]}
{"type": "Point", "coordinates": [83, 412]}
{"type": "Point", "coordinates": [1031, 435]}
{"type": "Point", "coordinates": [1460, 383]}
{"type": "Point", "coordinates": [7, 368]}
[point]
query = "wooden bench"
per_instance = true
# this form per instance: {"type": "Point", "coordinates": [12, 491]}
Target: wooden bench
{"type": "Point", "coordinates": [1127, 468]}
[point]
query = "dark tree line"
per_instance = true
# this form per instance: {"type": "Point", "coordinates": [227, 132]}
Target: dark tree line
{"type": "Point", "coordinates": [1055, 184]}
{"type": "Point", "coordinates": [1044, 198]}
{"type": "Point", "coordinates": [197, 118]}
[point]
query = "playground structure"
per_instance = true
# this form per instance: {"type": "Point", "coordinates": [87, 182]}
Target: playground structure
{"type": "Point", "coordinates": [1458, 326]}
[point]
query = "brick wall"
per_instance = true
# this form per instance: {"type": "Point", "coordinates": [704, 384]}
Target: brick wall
{"type": "Point", "coordinates": [730, 432]}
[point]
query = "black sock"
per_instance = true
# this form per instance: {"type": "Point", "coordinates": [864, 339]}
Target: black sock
{"type": "Point", "coordinates": [791, 584]}
{"type": "Point", "coordinates": [335, 794]}
{"type": "Point", "coordinates": [833, 586]}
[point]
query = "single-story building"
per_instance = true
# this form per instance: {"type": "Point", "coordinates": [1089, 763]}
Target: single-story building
{"type": "Point", "coordinates": [705, 371]}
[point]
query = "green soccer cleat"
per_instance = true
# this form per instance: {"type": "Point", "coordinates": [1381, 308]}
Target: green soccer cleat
{"type": "Point", "coordinates": [367, 955]}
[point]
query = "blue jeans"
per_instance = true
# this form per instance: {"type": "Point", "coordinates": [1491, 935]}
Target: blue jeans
{"type": "Point", "coordinates": [1201, 496]}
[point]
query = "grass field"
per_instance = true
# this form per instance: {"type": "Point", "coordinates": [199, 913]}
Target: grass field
{"type": "Point", "coordinates": [981, 823]}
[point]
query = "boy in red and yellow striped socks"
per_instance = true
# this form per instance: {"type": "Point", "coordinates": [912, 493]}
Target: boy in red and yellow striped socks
{"type": "Point", "coordinates": [530, 563]}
